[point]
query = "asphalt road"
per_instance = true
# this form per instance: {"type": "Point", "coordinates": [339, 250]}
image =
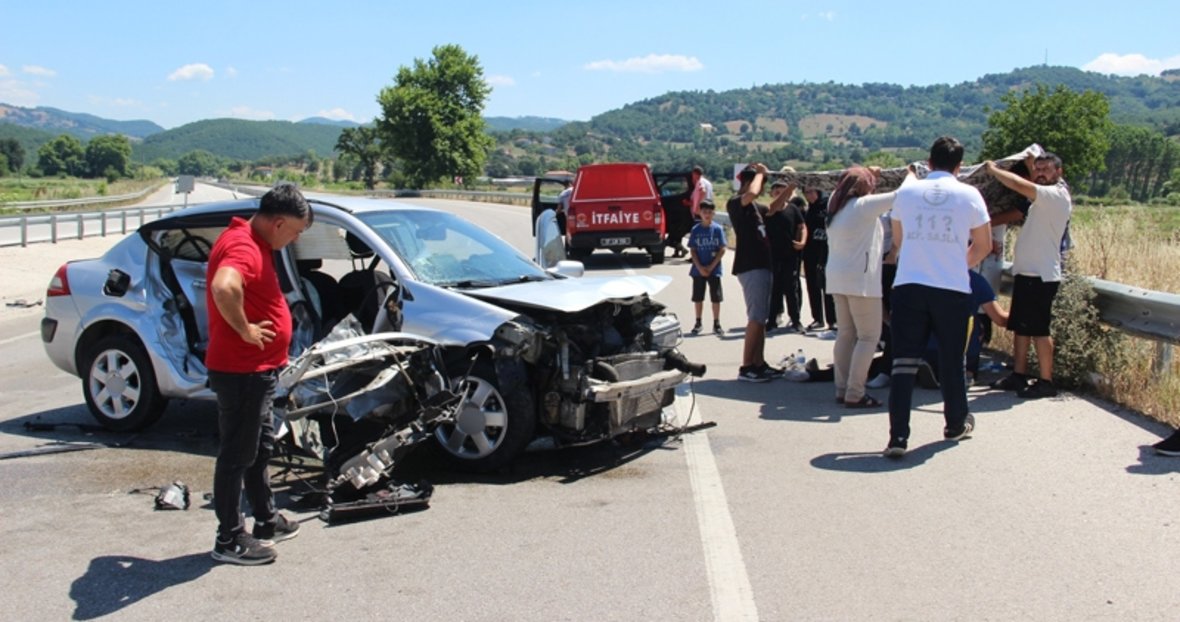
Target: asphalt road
{"type": "Point", "coordinates": [1056, 510]}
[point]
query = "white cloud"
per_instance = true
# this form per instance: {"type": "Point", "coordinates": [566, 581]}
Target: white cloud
{"type": "Point", "coordinates": [38, 70]}
{"type": "Point", "coordinates": [652, 63]}
{"type": "Point", "coordinates": [246, 112]}
{"type": "Point", "coordinates": [192, 71]}
{"type": "Point", "coordinates": [827, 16]}
{"type": "Point", "coordinates": [3, 71]}
{"type": "Point", "coordinates": [231, 72]}
{"type": "Point", "coordinates": [336, 114]}
{"type": "Point", "coordinates": [500, 80]}
{"type": "Point", "coordinates": [1130, 64]}
{"type": "Point", "coordinates": [17, 93]}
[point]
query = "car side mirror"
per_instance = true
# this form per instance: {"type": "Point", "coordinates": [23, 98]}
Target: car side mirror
{"type": "Point", "coordinates": [118, 282]}
{"type": "Point", "coordinates": [568, 268]}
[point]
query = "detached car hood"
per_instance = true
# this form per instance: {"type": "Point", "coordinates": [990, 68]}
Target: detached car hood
{"type": "Point", "coordinates": [573, 295]}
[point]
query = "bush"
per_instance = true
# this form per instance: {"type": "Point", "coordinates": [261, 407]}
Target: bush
{"type": "Point", "coordinates": [1082, 344]}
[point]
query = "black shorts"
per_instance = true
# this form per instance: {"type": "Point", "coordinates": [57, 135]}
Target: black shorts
{"type": "Point", "coordinates": [1032, 306]}
{"type": "Point", "coordinates": [698, 288]}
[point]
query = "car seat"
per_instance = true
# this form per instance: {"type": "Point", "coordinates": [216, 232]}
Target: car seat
{"type": "Point", "coordinates": [363, 290]}
{"type": "Point", "coordinates": [326, 287]}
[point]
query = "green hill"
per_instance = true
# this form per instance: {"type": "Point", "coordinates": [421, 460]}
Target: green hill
{"type": "Point", "coordinates": [531, 124]}
{"type": "Point", "coordinates": [239, 139]}
{"type": "Point", "coordinates": [30, 138]}
{"type": "Point", "coordinates": [817, 124]}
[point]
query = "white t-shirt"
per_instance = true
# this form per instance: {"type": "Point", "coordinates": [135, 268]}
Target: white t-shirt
{"type": "Point", "coordinates": [936, 215]}
{"type": "Point", "coordinates": [563, 199]}
{"type": "Point", "coordinates": [855, 246]}
{"type": "Point", "coordinates": [702, 192]}
{"type": "Point", "coordinates": [1038, 247]}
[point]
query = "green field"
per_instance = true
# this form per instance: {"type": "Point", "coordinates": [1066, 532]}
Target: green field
{"type": "Point", "coordinates": [14, 189]}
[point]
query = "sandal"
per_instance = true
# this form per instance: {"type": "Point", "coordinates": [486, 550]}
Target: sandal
{"type": "Point", "coordinates": [867, 401]}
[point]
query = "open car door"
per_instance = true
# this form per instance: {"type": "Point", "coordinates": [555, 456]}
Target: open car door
{"type": "Point", "coordinates": [545, 193]}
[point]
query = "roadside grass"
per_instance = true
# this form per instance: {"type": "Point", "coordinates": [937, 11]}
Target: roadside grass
{"type": "Point", "coordinates": [1132, 245]}
{"type": "Point", "coordinates": [13, 189]}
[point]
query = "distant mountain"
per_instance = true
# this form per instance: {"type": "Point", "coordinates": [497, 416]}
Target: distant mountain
{"type": "Point", "coordinates": [84, 126]}
{"type": "Point", "coordinates": [529, 124]}
{"type": "Point", "coordinates": [240, 140]}
{"type": "Point", "coordinates": [332, 122]}
{"type": "Point", "coordinates": [821, 123]}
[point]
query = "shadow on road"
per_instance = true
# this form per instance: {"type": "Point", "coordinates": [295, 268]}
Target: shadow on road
{"type": "Point", "coordinates": [188, 426]}
{"type": "Point", "coordinates": [874, 462]}
{"type": "Point", "coordinates": [113, 582]}
{"type": "Point", "coordinates": [1151, 463]}
{"type": "Point", "coordinates": [607, 260]}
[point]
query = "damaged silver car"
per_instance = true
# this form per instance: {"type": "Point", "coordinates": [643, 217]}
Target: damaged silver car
{"type": "Point", "coordinates": [534, 347]}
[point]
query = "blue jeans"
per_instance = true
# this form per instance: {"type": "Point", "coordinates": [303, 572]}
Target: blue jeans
{"type": "Point", "coordinates": [246, 437]}
{"type": "Point", "coordinates": [918, 312]}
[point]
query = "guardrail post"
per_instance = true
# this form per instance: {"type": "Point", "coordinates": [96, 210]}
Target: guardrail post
{"type": "Point", "coordinates": [124, 214]}
{"type": "Point", "coordinates": [24, 231]}
{"type": "Point", "coordinates": [81, 227]}
{"type": "Point", "coordinates": [1162, 363]}
{"type": "Point", "coordinates": [103, 228]}
{"type": "Point", "coordinates": [142, 213]}
{"type": "Point", "coordinates": [53, 228]}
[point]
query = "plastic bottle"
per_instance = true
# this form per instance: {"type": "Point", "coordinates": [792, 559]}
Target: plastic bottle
{"type": "Point", "coordinates": [800, 359]}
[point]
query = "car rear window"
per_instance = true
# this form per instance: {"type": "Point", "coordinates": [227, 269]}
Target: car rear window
{"type": "Point", "coordinates": [613, 183]}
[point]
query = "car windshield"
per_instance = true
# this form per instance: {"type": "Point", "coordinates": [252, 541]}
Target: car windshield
{"type": "Point", "coordinates": [445, 250]}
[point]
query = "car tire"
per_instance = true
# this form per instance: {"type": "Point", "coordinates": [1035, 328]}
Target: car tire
{"type": "Point", "coordinates": [657, 255]}
{"type": "Point", "coordinates": [120, 385]}
{"type": "Point", "coordinates": [492, 426]}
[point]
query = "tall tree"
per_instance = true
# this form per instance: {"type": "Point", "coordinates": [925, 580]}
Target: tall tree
{"type": "Point", "coordinates": [14, 152]}
{"type": "Point", "coordinates": [198, 162]}
{"type": "Point", "coordinates": [108, 155]}
{"type": "Point", "coordinates": [1075, 126]}
{"type": "Point", "coordinates": [364, 144]}
{"type": "Point", "coordinates": [432, 117]}
{"type": "Point", "coordinates": [62, 155]}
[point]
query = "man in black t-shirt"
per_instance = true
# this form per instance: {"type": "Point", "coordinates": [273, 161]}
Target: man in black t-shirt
{"type": "Point", "coordinates": [788, 235]}
{"type": "Point", "coordinates": [815, 258]}
{"type": "Point", "coordinates": [752, 266]}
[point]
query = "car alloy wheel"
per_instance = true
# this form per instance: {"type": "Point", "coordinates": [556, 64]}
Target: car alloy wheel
{"type": "Point", "coordinates": [120, 387]}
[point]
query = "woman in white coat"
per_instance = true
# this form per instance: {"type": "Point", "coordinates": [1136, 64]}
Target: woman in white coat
{"type": "Point", "coordinates": [855, 240]}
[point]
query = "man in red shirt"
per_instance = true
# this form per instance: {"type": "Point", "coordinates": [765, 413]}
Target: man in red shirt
{"type": "Point", "coordinates": [249, 333]}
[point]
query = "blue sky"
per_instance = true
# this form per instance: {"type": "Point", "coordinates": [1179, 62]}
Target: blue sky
{"type": "Point", "coordinates": [175, 63]}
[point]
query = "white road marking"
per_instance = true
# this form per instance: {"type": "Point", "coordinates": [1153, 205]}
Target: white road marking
{"type": "Point", "coordinates": [4, 342]}
{"type": "Point", "coordinates": [729, 584]}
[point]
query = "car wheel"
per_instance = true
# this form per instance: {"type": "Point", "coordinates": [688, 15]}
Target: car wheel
{"type": "Point", "coordinates": [657, 255]}
{"type": "Point", "coordinates": [491, 428]}
{"type": "Point", "coordinates": [120, 385]}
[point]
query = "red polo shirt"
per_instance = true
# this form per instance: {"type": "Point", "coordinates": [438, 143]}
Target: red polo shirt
{"type": "Point", "coordinates": [242, 249]}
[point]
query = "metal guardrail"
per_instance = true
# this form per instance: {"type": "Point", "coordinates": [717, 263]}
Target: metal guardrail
{"type": "Point", "coordinates": [1142, 312]}
{"type": "Point", "coordinates": [33, 205]}
{"type": "Point", "coordinates": [81, 224]}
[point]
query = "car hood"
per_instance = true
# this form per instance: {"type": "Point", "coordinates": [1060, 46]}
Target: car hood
{"type": "Point", "coordinates": [572, 295]}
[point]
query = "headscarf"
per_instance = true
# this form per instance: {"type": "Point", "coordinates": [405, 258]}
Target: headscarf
{"type": "Point", "coordinates": [856, 181]}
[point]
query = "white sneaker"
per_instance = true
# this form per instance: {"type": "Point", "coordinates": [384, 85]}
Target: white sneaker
{"type": "Point", "coordinates": [827, 335]}
{"type": "Point", "coordinates": [880, 381]}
